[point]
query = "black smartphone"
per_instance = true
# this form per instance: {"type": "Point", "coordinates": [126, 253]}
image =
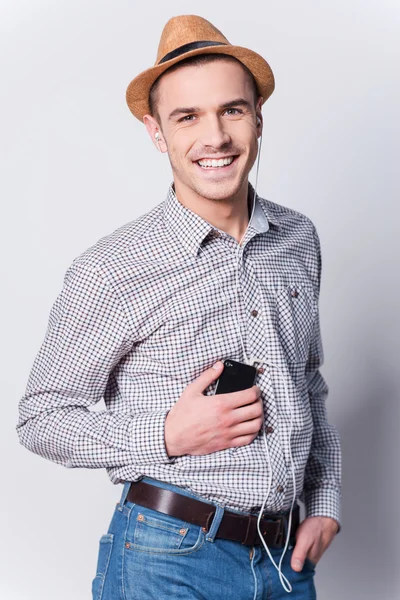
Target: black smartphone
{"type": "Point", "coordinates": [235, 377]}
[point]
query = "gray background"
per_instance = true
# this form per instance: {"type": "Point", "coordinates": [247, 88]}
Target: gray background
{"type": "Point", "coordinates": [75, 165]}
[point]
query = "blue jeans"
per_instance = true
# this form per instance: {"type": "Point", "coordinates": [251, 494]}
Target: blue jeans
{"type": "Point", "coordinates": [147, 555]}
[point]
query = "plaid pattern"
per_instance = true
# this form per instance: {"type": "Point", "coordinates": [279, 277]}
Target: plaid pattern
{"type": "Point", "coordinates": [140, 316]}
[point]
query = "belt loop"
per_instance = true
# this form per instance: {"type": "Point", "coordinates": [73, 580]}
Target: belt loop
{"type": "Point", "coordinates": [219, 513]}
{"type": "Point", "coordinates": [124, 494]}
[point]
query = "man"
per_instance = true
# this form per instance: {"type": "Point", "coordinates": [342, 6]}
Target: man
{"type": "Point", "coordinates": [146, 317]}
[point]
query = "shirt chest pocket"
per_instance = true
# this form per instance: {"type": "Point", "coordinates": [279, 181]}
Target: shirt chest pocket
{"type": "Point", "coordinates": [295, 309]}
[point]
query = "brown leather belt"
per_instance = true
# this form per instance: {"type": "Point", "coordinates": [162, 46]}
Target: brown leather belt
{"type": "Point", "coordinates": [239, 528]}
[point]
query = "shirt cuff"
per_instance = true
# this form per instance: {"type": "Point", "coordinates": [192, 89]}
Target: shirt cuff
{"type": "Point", "coordinates": [148, 438]}
{"type": "Point", "coordinates": [324, 501]}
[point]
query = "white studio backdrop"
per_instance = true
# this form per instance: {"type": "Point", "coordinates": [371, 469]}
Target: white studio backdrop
{"type": "Point", "coordinates": [75, 165]}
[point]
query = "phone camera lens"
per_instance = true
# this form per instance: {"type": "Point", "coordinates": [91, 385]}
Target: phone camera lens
{"type": "Point", "coordinates": [228, 363]}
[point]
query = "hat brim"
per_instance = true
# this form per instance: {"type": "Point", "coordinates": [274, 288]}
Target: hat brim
{"type": "Point", "coordinates": [137, 93]}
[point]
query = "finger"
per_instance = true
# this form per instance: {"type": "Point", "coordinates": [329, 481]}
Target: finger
{"type": "Point", "coordinates": [245, 413]}
{"type": "Point", "coordinates": [314, 559]}
{"type": "Point", "coordinates": [243, 440]}
{"type": "Point", "coordinates": [207, 377]}
{"type": "Point", "coordinates": [299, 555]}
{"type": "Point", "coordinates": [246, 428]}
{"type": "Point", "coordinates": [243, 397]}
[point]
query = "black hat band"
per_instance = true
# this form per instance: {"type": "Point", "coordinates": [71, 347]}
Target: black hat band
{"type": "Point", "coordinates": [187, 48]}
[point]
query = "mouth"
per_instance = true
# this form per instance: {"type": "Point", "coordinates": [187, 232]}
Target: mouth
{"type": "Point", "coordinates": [216, 164]}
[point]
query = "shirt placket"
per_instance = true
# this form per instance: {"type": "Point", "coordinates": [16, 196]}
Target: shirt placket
{"type": "Point", "coordinates": [259, 334]}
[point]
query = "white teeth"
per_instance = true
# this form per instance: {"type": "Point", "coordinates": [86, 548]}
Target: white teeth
{"type": "Point", "coordinates": [216, 163]}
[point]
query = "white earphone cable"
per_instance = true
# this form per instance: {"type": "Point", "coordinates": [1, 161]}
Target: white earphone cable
{"type": "Point", "coordinates": [252, 360]}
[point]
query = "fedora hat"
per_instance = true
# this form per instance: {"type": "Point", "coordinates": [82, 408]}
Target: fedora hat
{"type": "Point", "coordinates": [189, 35]}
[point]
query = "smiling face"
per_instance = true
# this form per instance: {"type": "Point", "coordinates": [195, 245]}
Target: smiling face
{"type": "Point", "coordinates": [207, 119]}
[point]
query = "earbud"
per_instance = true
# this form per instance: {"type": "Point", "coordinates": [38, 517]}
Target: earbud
{"type": "Point", "coordinates": [258, 121]}
{"type": "Point", "coordinates": [157, 136]}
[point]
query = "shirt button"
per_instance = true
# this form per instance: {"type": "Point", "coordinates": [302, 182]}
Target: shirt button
{"type": "Point", "coordinates": [254, 313]}
{"type": "Point", "coordinates": [260, 370]}
{"type": "Point", "coordinates": [269, 429]}
{"type": "Point", "coordinates": [215, 234]}
{"type": "Point", "coordinates": [279, 489]}
{"type": "Point", "coordinates": [294, 293]}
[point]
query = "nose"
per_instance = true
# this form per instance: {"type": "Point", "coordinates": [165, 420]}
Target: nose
{"type": "Point", "coordinates": [213, 133]}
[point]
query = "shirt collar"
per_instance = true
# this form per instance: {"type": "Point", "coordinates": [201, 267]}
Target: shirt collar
{"type": "Point", "coordinates": [191, 229]}
{"type": "Point", "coordinates": [262, 217]}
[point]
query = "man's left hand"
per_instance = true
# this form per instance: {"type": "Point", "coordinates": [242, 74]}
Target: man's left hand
{"type": "Point", "coordinates": [313, 537]}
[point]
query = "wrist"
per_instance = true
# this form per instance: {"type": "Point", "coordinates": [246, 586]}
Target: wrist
{"type": "Point", "coordinates": [327, 522]}
{"type": "Point", "coordinates": [169, 441]}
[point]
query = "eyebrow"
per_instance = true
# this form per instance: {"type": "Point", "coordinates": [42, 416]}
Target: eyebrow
{"type": "Point", "coordinates": [195, 109]}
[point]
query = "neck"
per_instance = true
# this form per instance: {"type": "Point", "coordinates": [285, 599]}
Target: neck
{"type": "Point", "coordinates": [227, 214]}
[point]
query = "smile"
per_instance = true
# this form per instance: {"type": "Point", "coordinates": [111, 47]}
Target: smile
{"type": "Point", "coordinates": [208, 163]}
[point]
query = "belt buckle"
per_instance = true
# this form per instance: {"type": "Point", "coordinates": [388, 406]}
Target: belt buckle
{"type": "Point", "coordinates": [251, 531]}
{"type": "Point", "coordinates": [278, 538]}
{"type": "Point", "coordinates": [278, 541]}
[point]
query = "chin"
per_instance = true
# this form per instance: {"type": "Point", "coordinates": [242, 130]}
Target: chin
{"type": "Point", "coordinates": [218, 190]}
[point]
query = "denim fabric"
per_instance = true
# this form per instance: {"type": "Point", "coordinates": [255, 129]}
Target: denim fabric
{"type": "Point", "coordinates": [147, 555]}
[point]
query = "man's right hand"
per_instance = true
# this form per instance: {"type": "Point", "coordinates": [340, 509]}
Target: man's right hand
{"type": "Point", "coordinates": [199, 424]}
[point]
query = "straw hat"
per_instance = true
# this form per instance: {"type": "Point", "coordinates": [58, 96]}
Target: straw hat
{"type": "Point", "coordinates": [185, 36]}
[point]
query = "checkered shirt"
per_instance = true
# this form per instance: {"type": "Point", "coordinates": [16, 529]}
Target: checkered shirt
{"type": "Point", "coordinates": [140, 315]}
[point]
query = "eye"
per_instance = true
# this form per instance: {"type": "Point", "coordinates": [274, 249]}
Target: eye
{"type": "Point", "coordinates": [187, 118]}
{"type": "Point", "coordinates": [238, 111]}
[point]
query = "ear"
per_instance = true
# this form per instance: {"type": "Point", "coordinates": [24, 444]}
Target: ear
{"type": "Point", "coordinates": [153, 129]}
{"type": "Point", "coordinates": [259, 117]}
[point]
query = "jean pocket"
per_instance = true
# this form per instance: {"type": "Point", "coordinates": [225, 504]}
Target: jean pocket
{"type": "Point", "coordinates": [105, 547]}
{"type": "Point", "coordinates": [157, 533]}
{"type": "Point", "coordinates": [295, 313]}
{"type": "Point", "coordinates": [308, 564]}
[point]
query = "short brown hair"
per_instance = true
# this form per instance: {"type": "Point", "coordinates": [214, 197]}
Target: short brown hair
{"type": "Point", "coordinates": [198, 60]}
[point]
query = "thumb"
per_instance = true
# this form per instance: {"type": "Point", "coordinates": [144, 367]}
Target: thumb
{"type": "Point", "coordinates": [299, 556]}
{"type": "Point", "coordinates": [207, 377]}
